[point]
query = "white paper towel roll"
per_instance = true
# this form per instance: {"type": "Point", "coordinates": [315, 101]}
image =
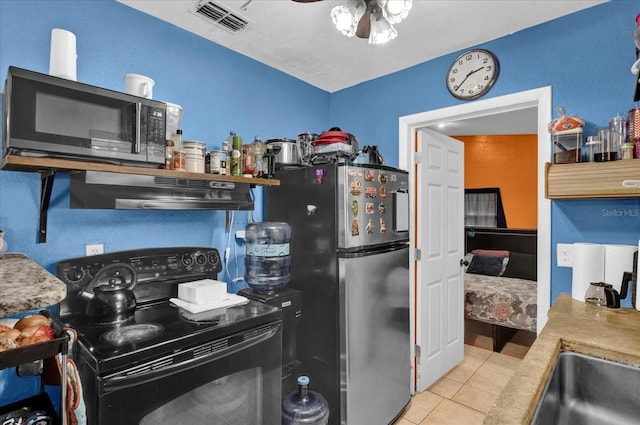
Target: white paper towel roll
{"type": "Point", "coordinates": [62, 59]}
{"type": "Point", "coordinates": [617, 260]}
{"type": "Point", "coordinates": [588, 266]}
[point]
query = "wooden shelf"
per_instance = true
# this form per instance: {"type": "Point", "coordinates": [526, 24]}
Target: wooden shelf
{"type": "Point", "coordinates": [47, 165]}
{"type": "Point", "coordinates": [586, 180]}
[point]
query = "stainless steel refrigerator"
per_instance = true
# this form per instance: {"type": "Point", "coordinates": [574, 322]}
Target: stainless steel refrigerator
{"type": "Point", "coordinates": [350, 260]}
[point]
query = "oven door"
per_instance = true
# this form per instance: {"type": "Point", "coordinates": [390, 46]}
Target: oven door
{"type": "Point", "coordinates": [234, 380]}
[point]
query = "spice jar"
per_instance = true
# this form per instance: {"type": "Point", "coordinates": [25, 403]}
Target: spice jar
{"type": "Point", "coordinates": [215, 162]}
{"type": "Point", "coordinates": [168, 154]}
{"type": "Point", "coordinates": [248, 160]}
{"type": "Point", "coordinates": [179, 155]}
{"type": "Point", "coordinates": [627, 150]}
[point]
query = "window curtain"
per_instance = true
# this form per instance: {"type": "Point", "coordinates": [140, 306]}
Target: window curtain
{"type": "Point", "coordinates": [483, 208]}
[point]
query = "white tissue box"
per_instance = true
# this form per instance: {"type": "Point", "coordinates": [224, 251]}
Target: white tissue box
{"type": "Point", "coordinates": [202, 291]}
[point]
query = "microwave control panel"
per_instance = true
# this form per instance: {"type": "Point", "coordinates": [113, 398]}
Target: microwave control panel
{"type": "Point", "coordinates": [153, 124]}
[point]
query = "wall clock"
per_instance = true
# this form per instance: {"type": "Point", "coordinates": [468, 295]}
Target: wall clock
{"type": "Point", "coordinates": [472, 74]}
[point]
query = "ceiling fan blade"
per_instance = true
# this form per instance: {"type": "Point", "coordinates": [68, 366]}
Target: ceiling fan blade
{"type": "Point", "coordinates": [364, 26]}
{"type": "Point", "coordinates": [306, 1]}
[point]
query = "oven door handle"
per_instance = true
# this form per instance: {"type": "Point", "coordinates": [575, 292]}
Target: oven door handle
{"type": "Point", "coordinates": [154, 371]}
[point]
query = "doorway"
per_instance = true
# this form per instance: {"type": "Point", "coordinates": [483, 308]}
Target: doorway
{"type": "Point", "coordinates": [537, 101]}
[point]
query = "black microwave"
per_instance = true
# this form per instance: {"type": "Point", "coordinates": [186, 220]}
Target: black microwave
{"type": "Point", "coordinates": [47, 116]}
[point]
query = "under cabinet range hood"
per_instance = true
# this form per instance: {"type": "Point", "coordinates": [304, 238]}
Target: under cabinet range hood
{"type": "Point", "coordinates": [105, 190]}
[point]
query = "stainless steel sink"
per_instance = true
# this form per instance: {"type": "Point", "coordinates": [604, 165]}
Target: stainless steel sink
{"type": "Point", "coordinates": [584, 390]}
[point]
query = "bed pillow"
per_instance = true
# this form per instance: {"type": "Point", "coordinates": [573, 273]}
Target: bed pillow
{"type": "Point", "coordinates": [497, 252]}
{"type": "Point", "coordinates": [489, 265]}
{"type": "Point", "coordinates": [522, 266]}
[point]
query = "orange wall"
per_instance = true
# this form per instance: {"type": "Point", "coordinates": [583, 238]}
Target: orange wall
{"type": "Point", "coordinates": [508, 162]}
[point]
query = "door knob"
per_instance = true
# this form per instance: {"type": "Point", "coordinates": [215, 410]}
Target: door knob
{"type": "Point", "coordinates": [463, 262]}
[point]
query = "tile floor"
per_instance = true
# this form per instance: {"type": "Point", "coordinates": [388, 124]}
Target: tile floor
{"type": "Point", "coordinates": [465, 395]}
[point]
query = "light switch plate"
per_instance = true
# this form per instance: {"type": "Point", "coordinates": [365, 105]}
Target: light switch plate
{"type": "Point", "coordinates": [565, 254]}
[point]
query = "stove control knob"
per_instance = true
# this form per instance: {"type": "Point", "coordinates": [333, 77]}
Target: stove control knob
{"type": "Point", "coordinates": [187, 260]}
{"type": "Point", "coordinates": [201, 259]}
{"type": "Point", "coordinates": [75, 275]}
{"type": "Point", "coordinates": [94, 269]}
{"type": "Point", "coordinates": [214, 259]}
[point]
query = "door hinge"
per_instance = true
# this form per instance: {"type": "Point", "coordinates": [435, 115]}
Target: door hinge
{"type": "Point", "coordinates": [417, 353]}
{"type": "Point", "coordinates": [417, 254]}
{"type": "Point", "coordinates": [417, 157]}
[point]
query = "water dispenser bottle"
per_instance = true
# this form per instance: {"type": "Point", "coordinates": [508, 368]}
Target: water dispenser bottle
{"type": "Point", "coordinates": [267, 259]}
{"type": "Point", "coordinates": [304, 407]}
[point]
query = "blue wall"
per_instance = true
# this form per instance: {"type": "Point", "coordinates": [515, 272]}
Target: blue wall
{"type": "Point", "coordinates": [218, 89]}
{"type": "Point", "coordinates": [585, 57]}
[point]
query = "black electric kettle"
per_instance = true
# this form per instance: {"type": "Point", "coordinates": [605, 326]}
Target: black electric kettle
{"type": "Point", "coordinates": [110, 294]}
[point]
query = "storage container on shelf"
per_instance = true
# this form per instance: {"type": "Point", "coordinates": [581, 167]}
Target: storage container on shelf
{"type": "Point", "coordinates": [195, 153]}
{"type": "Point", "coordinates": [173, 119]}
{"type": "Point", "coordinates": [267, 256]}
{"type": "Point", "coordinates": [567, 146]}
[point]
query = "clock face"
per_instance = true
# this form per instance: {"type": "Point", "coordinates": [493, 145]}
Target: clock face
{"type": "Point", "coordinates": [472, 74]}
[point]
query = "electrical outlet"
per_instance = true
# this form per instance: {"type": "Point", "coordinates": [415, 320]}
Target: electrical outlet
{"type": "Point", "coordinates": [240, 234]}
{"type": "Point", "coordinates": [94, 249]}
{"type": "Point", "coordinates": [240, 219]}
{"type": "Point", "coordinates": [565, 254]}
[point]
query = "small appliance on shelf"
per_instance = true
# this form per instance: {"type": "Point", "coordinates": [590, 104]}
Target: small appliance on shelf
{"type": "Point", "coordinates": [567, 137]}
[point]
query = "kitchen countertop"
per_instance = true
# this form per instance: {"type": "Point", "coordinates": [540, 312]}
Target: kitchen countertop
{"type": "Point", "coordinates": [612, 334]}
{"type": "Point", "coordinates": [24, 285]}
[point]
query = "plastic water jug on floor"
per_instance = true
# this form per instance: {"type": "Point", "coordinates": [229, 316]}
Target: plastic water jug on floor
{"type": "Point", "coordinates": [304, 407]}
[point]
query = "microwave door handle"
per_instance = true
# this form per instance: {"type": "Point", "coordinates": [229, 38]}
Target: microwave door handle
{"type": "Point", "coordinates": [136, 145]}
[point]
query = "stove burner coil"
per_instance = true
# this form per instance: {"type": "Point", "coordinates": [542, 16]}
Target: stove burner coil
{"type": "Point", "coordinates": [131, 333]}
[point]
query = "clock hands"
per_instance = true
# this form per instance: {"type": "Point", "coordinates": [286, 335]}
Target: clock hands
{"type": "Point", "coordinates": [468, 75]}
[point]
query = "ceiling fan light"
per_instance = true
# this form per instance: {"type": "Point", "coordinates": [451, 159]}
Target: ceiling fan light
{"type": "Point", "coordinates": [381, 30]}
{"type": "Point", "coordinates": [346, 17]}
{"type": "Point", "coordinates": [396, 10]}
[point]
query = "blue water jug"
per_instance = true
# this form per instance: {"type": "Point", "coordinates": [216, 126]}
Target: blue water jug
{"type": "Point", "coordinates": [304, 407]}
{"type": "Point", "coordinates": [267, 258]}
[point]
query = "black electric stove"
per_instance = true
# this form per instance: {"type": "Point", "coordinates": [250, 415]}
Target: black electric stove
{"type": "Point", "coordinates": [157, 327]}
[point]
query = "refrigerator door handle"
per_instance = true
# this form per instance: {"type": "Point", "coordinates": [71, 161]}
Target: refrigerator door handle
{"type": "Point", "coordinates": [401, 211]}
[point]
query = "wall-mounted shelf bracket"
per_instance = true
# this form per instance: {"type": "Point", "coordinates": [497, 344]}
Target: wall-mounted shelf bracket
{"type": "Point", "coordinates": [47, 167]}
{"type": "Point", "coordinates": [46, 184]}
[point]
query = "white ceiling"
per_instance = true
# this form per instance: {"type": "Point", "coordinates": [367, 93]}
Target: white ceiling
{"type": "Point", "coordinates": [299, 39]}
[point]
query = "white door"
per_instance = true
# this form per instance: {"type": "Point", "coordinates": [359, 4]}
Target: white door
{"type": "Point", "coordinates": [439, 230]}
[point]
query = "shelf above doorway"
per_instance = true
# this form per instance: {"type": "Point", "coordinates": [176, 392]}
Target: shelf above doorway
{"type": "Point", "coordinates": [586, 180]}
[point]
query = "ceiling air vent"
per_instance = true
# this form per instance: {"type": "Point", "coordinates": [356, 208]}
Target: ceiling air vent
{"type": "Point", "coordinates": [221, 16]}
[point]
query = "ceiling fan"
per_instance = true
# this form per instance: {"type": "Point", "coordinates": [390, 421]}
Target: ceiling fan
{"type": "Point", "coordinates": [370, 19]}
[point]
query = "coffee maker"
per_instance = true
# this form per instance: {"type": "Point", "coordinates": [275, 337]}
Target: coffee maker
{"type": "Point", "coordinates": [290, 301]}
